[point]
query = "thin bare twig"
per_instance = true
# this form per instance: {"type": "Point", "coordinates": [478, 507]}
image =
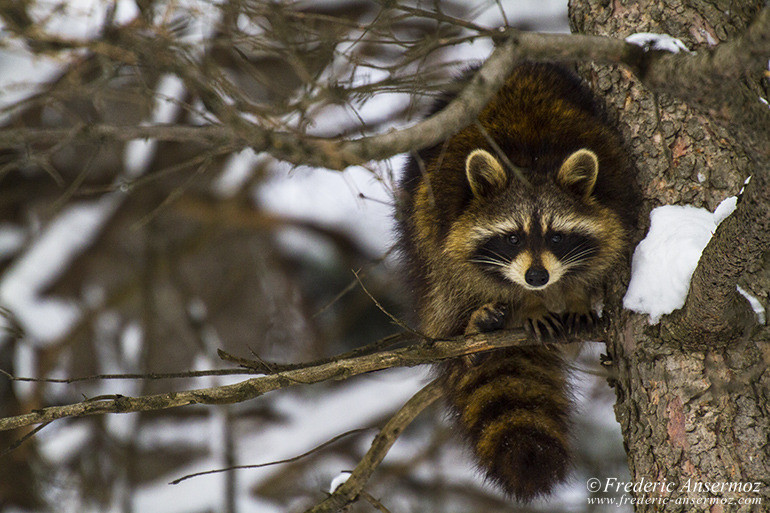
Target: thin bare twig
{"type": "Point", "coordinates": [401, 324]}
{"type": "Point", "coordinates": [148, 375]}
{"type": "Point", "coordinates": [16, 444]}
{"type": "Point", "coordinates": [265, 367]}
{"type": "Point", "coordinates": [287, 460]}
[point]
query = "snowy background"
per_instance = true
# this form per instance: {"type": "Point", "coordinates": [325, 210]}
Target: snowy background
{"type": "Point", "coordinates": [114, 261]}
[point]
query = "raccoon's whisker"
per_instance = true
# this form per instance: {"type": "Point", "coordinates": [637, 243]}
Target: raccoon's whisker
{"type": "Point", "coordinates": [577, 249]}
{"type": "Point", "coordinates": [579, 254]}
{"type": "Point", "coordinates": [577, 257]}
{"type": "Point", "coordinates": [501, 257]}
{"type": "Point", "coordinates": [489, 262]}
{"type": "Point", "coordinates": [583, 247]}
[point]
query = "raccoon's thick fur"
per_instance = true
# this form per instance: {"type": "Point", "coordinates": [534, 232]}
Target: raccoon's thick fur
{"type": "Point", "coordinates": [518, 232]}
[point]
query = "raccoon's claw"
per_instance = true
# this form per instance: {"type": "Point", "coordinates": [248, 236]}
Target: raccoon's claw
{"type": "Point", "coordinates": [546, 327]}
{"type": "Point", "coordinates": [489, 317]}
{"type": "Point", "coordinates": [580, 322]}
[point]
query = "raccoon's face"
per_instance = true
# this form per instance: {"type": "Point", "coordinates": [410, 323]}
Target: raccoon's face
{"type": "Point", "coordinates": [538, 235]}
{"type": "Point", "coordinates": [537, 252]}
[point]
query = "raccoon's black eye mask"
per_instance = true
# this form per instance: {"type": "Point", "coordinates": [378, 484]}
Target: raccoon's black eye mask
{"type": "Point", "coordinates": [569, 248]}
{"type": "Point", "coordinates": [501, 248]}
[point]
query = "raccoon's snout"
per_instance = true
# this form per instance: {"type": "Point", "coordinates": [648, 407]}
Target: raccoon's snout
{"type": "Point", "coordinates": [536, 276]}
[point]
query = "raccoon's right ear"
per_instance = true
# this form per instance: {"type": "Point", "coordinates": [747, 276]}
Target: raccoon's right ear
{"type": "Point", "coordinates": [485, 173]}
{"type": "Point", "coordinates": [578, 172]}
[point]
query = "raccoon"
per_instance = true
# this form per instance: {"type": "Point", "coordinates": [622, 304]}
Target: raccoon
{"type": "Point", "coordinates": [515, 221]}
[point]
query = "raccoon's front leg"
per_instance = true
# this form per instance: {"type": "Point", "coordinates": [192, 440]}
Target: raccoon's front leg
{"type": "Point", "coordinates": [490, 317]}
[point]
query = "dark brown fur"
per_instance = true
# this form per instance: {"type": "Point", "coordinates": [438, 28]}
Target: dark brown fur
{"type": "Point", "coordinates": [513, 405]}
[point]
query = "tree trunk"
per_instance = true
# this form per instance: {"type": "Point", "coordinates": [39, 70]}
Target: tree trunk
{"type": "Point", "coordinates": [690, 417]}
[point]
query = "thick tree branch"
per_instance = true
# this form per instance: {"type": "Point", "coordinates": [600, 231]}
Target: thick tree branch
{"type": "Point", "coordinates": [714, 311]}
{"type": "Point", "coordinates": [333, 153]}
{"type": "Point", "coordinates": [713, 79]}
{"type": "Point", "coordinates": [416, 354]}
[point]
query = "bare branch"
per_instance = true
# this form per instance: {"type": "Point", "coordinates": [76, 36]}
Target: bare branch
{"type": "Point", "coordinates": [350, 489]}
{"type": "Point", "coordinates": [333, 153]}
{"type": "Point", "coordinates": [658, 70]}
{"type": "Point", "coordinates": [147, 375]}
{"type": "Point", "coordinates": [416, 354]}
{"type": "Point", "coordinates": [263, 367]}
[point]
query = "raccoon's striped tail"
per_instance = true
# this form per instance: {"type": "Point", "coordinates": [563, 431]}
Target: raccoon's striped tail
{"type": "Point", "coordinates": [512, 405]}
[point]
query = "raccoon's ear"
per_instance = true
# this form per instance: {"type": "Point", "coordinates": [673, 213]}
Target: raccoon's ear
{"type": "Point", "coordinates": [578, 173]}
{"type": "Point", "coordinates": [485, 174]}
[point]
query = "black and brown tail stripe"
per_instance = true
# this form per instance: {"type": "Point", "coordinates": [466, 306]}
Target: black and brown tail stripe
{"type": "Point", "coordinates": [512, 405]}
{"type": "Point", "coordinates": [508, 393]}
{"type": "Point", "coordinates": [535, 363]}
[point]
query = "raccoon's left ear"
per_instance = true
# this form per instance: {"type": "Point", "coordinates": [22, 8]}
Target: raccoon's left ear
{"type": "Point", "coordinates": [578, 173]}
{"type": "Point", "coordinates": [485, 173]}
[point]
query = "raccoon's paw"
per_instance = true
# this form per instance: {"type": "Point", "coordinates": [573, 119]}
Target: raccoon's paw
{"type": "Point", "coordinates": [545, 327]}
{"type": "Point", "coordinates": [580, 322]}
{"type": "Point", "coordinates": [489, 317]}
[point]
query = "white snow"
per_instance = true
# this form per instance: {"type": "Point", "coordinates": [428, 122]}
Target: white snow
{"type": "Point", "coordinates": [759, 310]}
{"type": "Point", "coordinates": [11, 239]}
{"type": "Point", "coordinates": [664, 261]}
{"type": "Point", "coordinates": [237, 171]}
{"type": "Point", "coordinates": [333, 199]}
{"type": "Point", "coordinates": [47, 257]}
{"type": "Point", "coordinates": [80, 19]}
{"type": "Point", "coordinates": [724, 209]}
{"type": "Point", "coordinates": [131, 341]}
{"type": "Point", "coordinates": [652, 41]}
{"type": "Point", "coordinates": [60, 442]}
{"type": "Point", "coordinates": [139, 152]}
{"type": "Point", "coordinates": [337, 481]}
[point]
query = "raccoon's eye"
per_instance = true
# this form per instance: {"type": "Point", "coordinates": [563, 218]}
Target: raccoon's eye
{"type": "Point", "coordinates": [514, 239]}
{"type": "Point", "coordinates": [556, 238]}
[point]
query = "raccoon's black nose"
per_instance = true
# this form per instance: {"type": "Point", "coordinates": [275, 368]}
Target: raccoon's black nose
{"type": "Point", "coordinates": [536, 276]}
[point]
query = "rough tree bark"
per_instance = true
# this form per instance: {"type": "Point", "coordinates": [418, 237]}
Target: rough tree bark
{"type": "Point", "coordinates": [693, 409]}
